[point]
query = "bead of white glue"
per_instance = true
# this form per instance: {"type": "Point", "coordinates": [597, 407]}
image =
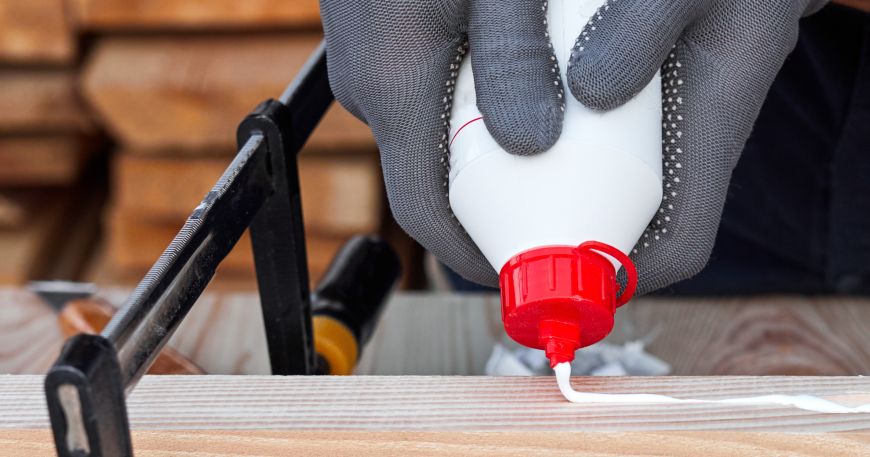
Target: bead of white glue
{"type": "Point", "coordinates": [804, 402]}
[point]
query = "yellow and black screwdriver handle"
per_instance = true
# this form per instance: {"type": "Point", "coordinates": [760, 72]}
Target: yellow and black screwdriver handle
{"type": "Point", "coordinates": [348, 301]}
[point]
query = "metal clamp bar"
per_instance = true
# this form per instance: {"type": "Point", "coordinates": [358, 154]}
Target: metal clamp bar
{"type": "Point", "coordinates": [155, 309]}
{"type": "Point", "coordinates": [277, 232]}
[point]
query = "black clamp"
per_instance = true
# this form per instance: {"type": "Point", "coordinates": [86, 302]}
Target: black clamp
{"type": "Point", "coordinates": [85, 389]}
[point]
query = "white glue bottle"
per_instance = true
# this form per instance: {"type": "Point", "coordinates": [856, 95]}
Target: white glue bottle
{"type": "Point", "coordinates": [558, 225]}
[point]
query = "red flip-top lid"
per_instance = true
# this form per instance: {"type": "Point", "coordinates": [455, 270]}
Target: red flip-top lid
{"type": "Point", "coordinates": [562, 298]}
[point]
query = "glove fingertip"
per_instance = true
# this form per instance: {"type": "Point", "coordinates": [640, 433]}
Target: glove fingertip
{"type": "Point", "coordinates": [592, 83]}
{"type": "Point", "coordinates": [531, 131]}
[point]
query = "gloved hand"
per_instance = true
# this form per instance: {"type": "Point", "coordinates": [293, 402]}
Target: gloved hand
{"type": "Point", "coordinates": [718, 58]}
{"type": "Point", "coordinates": [390, 64]}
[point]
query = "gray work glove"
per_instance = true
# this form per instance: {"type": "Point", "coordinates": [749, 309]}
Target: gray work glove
{"type": "Point", "coordinates": [391, 63]}
{"type": "Point", "coordinates": [718, 58]}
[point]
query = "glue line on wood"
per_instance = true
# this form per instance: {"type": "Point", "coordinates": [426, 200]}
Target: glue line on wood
{"type": "Point", "coordinates": [805, 402]}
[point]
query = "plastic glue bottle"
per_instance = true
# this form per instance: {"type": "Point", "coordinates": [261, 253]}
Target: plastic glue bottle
{"type": "Point", "coordinates": [558, 225]}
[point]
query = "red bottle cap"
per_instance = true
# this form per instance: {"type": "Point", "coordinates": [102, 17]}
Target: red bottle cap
{"type": "Point", "coordinates": [562, 298]}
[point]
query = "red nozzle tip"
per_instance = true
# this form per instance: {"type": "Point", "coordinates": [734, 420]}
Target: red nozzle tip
{"type": "Point", "coordinates": [560, 339]}
{"type": "Point", "coordinates": [557, 353]}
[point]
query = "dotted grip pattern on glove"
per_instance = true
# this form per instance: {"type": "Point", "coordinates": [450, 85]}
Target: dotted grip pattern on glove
{"type": "Point", "coordinates": [718, 59]}
{"type": "Point", "coordinates": [392, 63]}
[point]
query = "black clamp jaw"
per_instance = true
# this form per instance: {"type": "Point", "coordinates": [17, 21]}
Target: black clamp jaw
{"type": "Point", "coordinates": [85, 389]}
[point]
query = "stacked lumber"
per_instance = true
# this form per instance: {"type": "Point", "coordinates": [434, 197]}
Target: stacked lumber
{"type": "Point", "coordinates": [46, 139]}
{"type": "Point", "coordinates": [112, 15]}
{"type": "Point", "coordinates": [167, 81]}
{"type": "Point", "coordinates": [172, 102]}
{"type": "Point", "coordinates": [187, 94]}
{"type": "Point", "coordinates": [152, 196]}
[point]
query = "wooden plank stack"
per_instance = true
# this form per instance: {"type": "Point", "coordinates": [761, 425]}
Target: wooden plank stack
{"type": "Point", "coordinates": [113, 15]}
{"type": "Point", "coordinates": [166, 82]}
{"type": "Point", "coordinates": [46, 137]}
{"type": "Point", "coordinates": [173, 101]}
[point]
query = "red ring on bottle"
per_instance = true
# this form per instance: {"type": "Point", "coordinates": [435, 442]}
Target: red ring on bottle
{"type": "Point", "coordinates": [630, 269]}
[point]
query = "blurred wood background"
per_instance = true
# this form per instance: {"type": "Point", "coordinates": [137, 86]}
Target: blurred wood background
{"type": "Point", "coordinates": [117, 116]}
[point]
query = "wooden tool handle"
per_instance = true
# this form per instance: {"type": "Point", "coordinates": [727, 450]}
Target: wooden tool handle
{"type": "Point", "coordinates": [90, 315]}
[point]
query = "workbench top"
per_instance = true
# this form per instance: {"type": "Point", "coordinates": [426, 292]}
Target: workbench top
{"type": "Point", "coordinates": [455, 415]}
{"type": "Point", "coordinates": [453, 334]}
{"type": "Point", "coordinates": [430, 334]}
{"type": "Point", "coordinates": [463, 403]}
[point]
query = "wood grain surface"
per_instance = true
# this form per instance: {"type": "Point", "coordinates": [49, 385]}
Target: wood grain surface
{"type": "Point", "coordinates": [35, 31]}
{"type": "Point", "coordinates": [187, 93]}
{"type": "Point", "coordinates": [450, 415]}
{"type": "Point", "coordinates": [432, 334]}
{"type": "Point", "coordinates": [30, 338]}
{"type": "Point", "coordinates": [455, 403]}
{"type": "Point", "coordinates": [753, 336]}
{"type": "Point", "coordinates": [205, 443]}
{"type": "Point", "coordinates": [194, 14]}
{"type": "Point", "coordinates": [450, 334]}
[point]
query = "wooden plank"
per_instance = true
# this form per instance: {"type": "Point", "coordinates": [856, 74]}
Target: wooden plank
{"type": "Point", "coordinates": [341, 195]}
{"type": "Point", "coordinates": [262, 443]}
{"type": "Point", "coordinates": [367, 415]}
{"type": "Point", "coordinates": [40, 101]}
{"type": "Point", "coordinates": [42, 160]}
{"type": "Point", "coordinates": [35, 31]}
{"type": "Point", "coordinates": [453, 334]}
{"type": "Point", "coordinates": [696, 336]}
{"type": "Point", "coordinates": [194, 14]}
{"type": "Point", "coordinates": [223, 332]}
{"type": "Point", "coordinates": [418, 333]}
{"type": "Point", "coordinates": [433, 334]}
{"type": "Point", "coordinates": [30, 338]}
{"type": "Point", "coordinates": [135, 244]}
{"type": "Point", "coordinates": [787, 335]}
{"type": "Point", "coordinates": [188, 93]}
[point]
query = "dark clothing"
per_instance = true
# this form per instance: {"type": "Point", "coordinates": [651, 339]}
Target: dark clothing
{"type": "Point", "coordinates": [797, 216]}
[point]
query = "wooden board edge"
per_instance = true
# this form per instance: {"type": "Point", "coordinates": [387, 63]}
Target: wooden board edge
{"type": "Point", "coordinates": [23, 443]}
